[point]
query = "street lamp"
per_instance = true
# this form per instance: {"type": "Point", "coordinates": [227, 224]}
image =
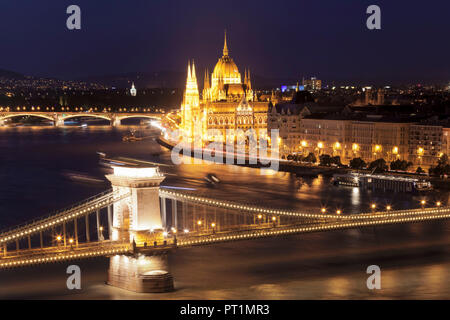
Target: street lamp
{"type": "Point", "coordinates": [395, 150]}
{"type": "Point", "coordinates": [323, 210]}
{"type": "Point", "coordinates": [438, 203]}
{"type": "Point", "coordinates": [388, 207]}
{"type": "Point", "coordinates": [58, 239]}
{"type": "Point", "coordinates": [420, 151]}
{"type": "Point", "coordinates": [338, 211]}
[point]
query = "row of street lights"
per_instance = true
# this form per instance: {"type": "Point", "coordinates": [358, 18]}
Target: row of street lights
{"type": "Point", "coordinates": [373, 206]}
{"type": "Point", "coordinates": [274, 219]}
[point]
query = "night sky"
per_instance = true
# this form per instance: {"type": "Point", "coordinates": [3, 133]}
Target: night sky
{"type": "Point", "coordinates": [291, 38]}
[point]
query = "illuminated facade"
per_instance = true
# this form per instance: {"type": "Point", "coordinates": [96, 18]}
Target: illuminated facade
{"type": "Point", "coordinates": [226, 102]}
{"type": "Point", "coordinates": [371, 140]}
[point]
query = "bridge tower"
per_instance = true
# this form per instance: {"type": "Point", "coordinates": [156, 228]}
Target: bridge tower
{"type": "Point", "coordinates": [115, 121]}
{"type": "Point", "coordinates": [137, 219]}
{"type": "Point", "coordinates": [58, 120]}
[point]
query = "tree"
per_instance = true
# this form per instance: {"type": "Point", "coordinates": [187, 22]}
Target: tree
{"type": "Point", "coordinates": [378, 165]}
{"type": "Point", "coordinates": [402, 165]}
{"type": "Point", "coordinates": [310, 158]}
{"type": "Point", "coordinates": [420, 170]}
{"type": "Point", "coordinates": [357, 163]}
{"type": "Point", "coordinates": [336, 160]}
{"type": "Point", "coordinates": [325, 160]}
{"type": "Point", "coordinates": [443, 160]}
{"type": "Point", "coordinates": [442, 167]}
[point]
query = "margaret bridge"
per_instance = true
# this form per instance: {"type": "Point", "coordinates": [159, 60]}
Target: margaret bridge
{"type": "Point", "coordinates": [59, 117]}
{"type": "Point", "coordinates": [138, 223]}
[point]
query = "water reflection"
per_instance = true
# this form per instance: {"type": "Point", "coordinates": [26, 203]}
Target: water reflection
{"type": "Point", "coordinates": [413, 258]}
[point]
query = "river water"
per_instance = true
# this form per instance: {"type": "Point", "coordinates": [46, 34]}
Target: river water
{"type": "Point", "coordinates": [35, 166]}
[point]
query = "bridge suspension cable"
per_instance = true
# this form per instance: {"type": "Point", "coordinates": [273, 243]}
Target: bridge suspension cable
{"type": "Point", "coordinates": [87, 206]}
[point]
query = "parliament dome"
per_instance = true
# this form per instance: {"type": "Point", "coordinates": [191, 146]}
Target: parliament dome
{"type": "Point", "coordinates": [226, 69]}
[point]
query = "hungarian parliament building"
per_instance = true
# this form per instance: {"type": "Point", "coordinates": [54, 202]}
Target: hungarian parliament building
{"type": "Point", "coordinates": [226, 103]}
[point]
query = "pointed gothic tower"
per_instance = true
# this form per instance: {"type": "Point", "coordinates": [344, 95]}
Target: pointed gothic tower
{"type": "Point", "coordinates": [225, 47]}
{"type": "Point", "coordinates": [206, 87]}
{"type": "Point", "coordinates": [191, 101]}
{"type": "Point", "coordinates": [248, 82]}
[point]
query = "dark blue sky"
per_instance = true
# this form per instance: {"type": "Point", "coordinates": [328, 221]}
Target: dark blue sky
{"type": "Point", "coordinates": [284, 38]}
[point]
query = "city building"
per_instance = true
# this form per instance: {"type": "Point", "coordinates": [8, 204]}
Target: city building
{"type": "Point", "coordinates": [292, 121]}
{"type": "Point", "coordinates": [227, 101]}
{"type": "Point", "coordinates": [425, 144]}
{"type": "Point", "coordinates": [312, 84]}
{"type": "Point", "coordinates": [340, 132]}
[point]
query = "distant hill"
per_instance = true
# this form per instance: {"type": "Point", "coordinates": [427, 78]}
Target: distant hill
{"type": "Point", "coordinates": [6, 74]}
{"type": "Point", "coordinates": [172, 79]}
{"type": "Point", "coordinates": [163, 79]}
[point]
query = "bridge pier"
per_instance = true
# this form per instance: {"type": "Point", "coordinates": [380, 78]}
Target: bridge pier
{"type": "Point", "coordinates": [115, 121]}
{"type": "Point", "coordinates": [144, 274]}
{"type": "Point", "coordinates": [59, 121]}
{"type": "Point", "coordinates": [137, 220]}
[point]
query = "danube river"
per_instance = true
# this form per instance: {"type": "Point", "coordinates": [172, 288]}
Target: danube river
{"type": "Point", "coordinates": [40, 172]}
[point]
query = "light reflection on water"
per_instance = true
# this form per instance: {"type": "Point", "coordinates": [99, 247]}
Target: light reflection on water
{"type": "Point", "coordinates": [315, 266]}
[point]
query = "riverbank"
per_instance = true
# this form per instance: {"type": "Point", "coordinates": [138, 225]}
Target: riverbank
{"type": "Point", "coordinates": [246, 161]}
{"type": "Point", "coordinates": [303, 169]}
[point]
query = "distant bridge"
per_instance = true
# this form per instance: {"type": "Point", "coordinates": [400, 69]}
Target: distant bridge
{"type": "Point", "coordinates": [138, 221]}
{"type": "Point", "coordinates": [59, 117]}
